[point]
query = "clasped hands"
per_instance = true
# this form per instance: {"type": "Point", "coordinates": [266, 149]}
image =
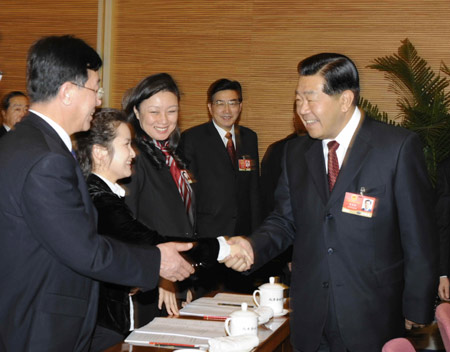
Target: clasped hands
{"type": "Point", "coordinates": [241, 257]}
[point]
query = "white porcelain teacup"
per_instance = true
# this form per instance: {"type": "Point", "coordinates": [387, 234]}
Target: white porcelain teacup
{"type": "Point", "coordinates": [270, 295]}
{"type": "Point", "coordinates": [242, 322]}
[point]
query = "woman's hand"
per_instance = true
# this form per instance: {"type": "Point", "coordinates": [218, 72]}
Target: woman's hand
{"type": "Point", "coordinates": [444, 289]}
{"type": "Point", "coordinates": [167, 296]}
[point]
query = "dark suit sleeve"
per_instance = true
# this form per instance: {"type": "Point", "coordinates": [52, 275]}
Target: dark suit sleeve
{"type": "Point", "coordinates": [255, 194]}
{"type": "Point", "coordinates": [277, 232]}
{"type": "Point", "coordinates": [414, 199]}
{"type": "Point", "coordinates": [443, 215]}
{"type": "Point", "coordinates": [61, 224]}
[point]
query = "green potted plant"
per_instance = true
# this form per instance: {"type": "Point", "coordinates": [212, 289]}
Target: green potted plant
{"type": "Point", "coordinates": [422, 99]}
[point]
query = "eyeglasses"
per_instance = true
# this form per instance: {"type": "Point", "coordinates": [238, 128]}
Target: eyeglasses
{"type": "Point", "coordinates": [231, 103]}
{"type": "Point", "coordinates": [100, 92]}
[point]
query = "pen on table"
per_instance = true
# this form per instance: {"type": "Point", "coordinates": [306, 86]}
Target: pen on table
{"type": "Point", "coordinates": [234, 305]}
{"type": "Point", "coordinates": [172, 344]}
{"type": "Point", "coordinates": [214, 317]}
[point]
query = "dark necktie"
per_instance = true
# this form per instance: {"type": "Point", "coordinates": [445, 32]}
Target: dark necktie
{"type": "Point", "coordinates": [230, 147]}
{"type": "Point", "coordinates": [333, 164]}
{"type": "Point", "coordinates": [183, 186]}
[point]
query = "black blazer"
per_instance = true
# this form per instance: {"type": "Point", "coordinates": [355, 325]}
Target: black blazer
{"type": "Point", "coordinates": [154, 199]}
{"type": "Point", "coordinates": [378, 270]}
{"type": "Point", "coordinates": [228, 200]}
{"type": "Point", "coordinates": [51, 256]}
{"type": "Point", "coordinates": [116, 220]}
{"type": "Point", "coordinates": [443, 215]}
{"type": "Point", "coordinates": [3, 131]}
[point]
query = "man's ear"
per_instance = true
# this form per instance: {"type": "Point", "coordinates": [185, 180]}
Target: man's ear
{"type": "Point", "coordinates": [210, 108]}
{"type": "Point", "coordinates": [346, 100]}
{"type": "Point", "coordinates": [66, 92]}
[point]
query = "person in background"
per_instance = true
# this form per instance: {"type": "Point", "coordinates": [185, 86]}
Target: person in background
{"type": "Point", "coordinates": [14, 107]}
{"type": "Point", "coordinates": [357, 281]}
{"type": "Point", "coordinates": [105, 155]}
{"type": "Point", "coordinates": [443, 223]}
{"type": "Point", "coordinates": [160, 194]}
{"type": "Point", "coordinates": [51, 256]}
{"type": "Point", "coordinates": [223, 160]}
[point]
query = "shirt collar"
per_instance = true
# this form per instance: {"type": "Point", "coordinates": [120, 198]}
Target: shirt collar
{"type": "Point", "coordinates": [58, 129]}
{"type": "Point", "coordinates": [222, 132]}
{"type": "Point", "coordinates": [7, 128]}
{"type": "Point", "coordinates": [114, 187]}
{"type": "Point", "coordinates": [346, 135]}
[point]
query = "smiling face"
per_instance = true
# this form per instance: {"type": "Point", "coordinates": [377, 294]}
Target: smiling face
{"type": "Point", "coordinates": [84, 102]}
{"type": "Point", "coordinates": [223, 113]}
{"type": "Point", "coordinates": [120, 155]}
{"type": "Point", "coordinates": [158, 115]}
{"type": "Point", "coordinates": [18, 107]}
{"type": "Point", "coordinates": [323, 116]}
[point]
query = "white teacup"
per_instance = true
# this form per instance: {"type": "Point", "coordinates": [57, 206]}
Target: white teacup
{"type": "Point", "coordinates": [242, 322]}
{"type": "Point", "coordinates": [270, 295]}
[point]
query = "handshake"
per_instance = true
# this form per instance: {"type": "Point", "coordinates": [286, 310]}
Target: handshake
{"type": "Point", "coordinates": [175, 268]}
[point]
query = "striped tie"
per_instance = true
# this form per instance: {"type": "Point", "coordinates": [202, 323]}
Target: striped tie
{"type": "Point", "coordinates": [333, 164]}
{"type": "Point", "coordinates": [183, 186]}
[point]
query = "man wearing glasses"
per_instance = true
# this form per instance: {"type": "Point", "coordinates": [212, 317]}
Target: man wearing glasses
{"type": "Point", "coordinates": [51, 257]}
{"type": "Point", "coordinates": [223, 160]}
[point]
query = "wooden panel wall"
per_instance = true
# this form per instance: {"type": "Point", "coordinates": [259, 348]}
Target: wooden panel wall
{"type": "Point", "coordinates": [260, 42]}
{"type": "Point", "coordinates": [22, 23]}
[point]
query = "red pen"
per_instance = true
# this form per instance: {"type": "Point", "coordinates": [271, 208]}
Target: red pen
{"type": "Point", "coordinates": [171, 344]}
{"type": "Point", "coordinates": [213, 317]}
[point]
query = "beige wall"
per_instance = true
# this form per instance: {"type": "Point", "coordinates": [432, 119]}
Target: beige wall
{"type": "Point", "coordinates": [257, 42]}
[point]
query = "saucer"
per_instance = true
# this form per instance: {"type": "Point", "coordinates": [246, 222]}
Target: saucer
{"type": "Point", "coordinates": [284, 312]}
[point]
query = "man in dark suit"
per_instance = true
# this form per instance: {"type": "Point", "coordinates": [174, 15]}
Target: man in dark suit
{"type": "Point", "coordinates": [443, 223]}
{"type": "Point", "coordinates": [50, 253]}
{"type": "Point", "coordinates": [357, 280]}
{"type": "Point", "coordinates": [14, 107]}
{"type": "Point", "coordinates": [226, 188]}
{"type": "Point", "coordinates": [223, 159]}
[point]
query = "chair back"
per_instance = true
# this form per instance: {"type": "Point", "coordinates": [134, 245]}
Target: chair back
{"type": "Point", "coordinates": [443, 320]}
{"type": "Point", "coordinates": [398, 345]}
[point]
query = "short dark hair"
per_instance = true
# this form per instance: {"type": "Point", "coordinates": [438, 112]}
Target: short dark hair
{"type": "Point", "coordinates": [340, 73]}
{"type": "Point", "coordinates": [102, 132]}
{"type": "Point", "coordinates": [6, 101]}
{"type": "Point", "coordinates": [54, 60]}
{"type": "Point", "coordinates": [224, 84]}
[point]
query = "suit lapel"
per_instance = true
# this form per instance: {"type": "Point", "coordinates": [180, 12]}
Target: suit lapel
{"type": "Point", "coordinates": [354, 159]}
{"type": "Point", "coordinates": [316, 167]}
{"type": "Point", "coordinates": [217, 144]}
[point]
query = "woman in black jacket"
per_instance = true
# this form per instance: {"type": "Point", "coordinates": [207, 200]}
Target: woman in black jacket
{"type": "Point", "coordinates": [105, 155]}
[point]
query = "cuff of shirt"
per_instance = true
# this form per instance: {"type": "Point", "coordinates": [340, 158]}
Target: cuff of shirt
{"type": "Point", "coordinates": [224, 248]}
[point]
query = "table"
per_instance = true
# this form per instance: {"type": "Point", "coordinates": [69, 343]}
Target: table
{"type": "Point", "coordinates": [278, 341]}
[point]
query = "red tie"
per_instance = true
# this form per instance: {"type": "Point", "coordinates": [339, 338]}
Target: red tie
{"type": "Point", "coordinates": [183, 186]}
{"type": "Point", "coordinates": [230, 147]}
{"type": "Point", "coordinates": [333, 164]}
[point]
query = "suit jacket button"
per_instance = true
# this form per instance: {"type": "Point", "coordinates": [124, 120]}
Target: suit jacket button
{"type": "Point", "coordinates": [325, 284]}
{"type": "Point", "coordinates": [329, 216]}
{"type": "Point", "coordinates": [330, 251]}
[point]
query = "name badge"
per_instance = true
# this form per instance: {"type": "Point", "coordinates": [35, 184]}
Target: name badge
{"type": "Point", "coordinates": [359, 204]}
{"type": "Point", "coordinates": [246, 164]}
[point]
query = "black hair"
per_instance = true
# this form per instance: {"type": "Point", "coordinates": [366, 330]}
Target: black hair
{"type": "Point", "coordinates": [102, 132]}
{"type": "Point", "coordinates": [224, 84]}
{"type": "Point", "coordinates": [339, 71]}
{"type": "Point", "coordinates": [6, 101]}
{"type": "Point", "coordinates": [149, 86]}
{"type": "Point", "coordinates": [54, 60]}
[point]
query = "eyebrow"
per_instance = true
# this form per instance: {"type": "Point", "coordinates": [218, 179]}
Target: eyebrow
{"type": "Point", "coordinates": [306, 92]}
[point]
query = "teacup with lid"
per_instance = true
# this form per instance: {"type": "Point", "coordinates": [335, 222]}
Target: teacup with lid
{"type": "Point", "coordinates": [270, 295]}
{"type": "Point", "coordinates": [242, 322]}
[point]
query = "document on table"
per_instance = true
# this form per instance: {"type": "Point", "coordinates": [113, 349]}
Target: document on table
{"type": "Point", "coordinates": [168, 332]}
{"type": "Point", "coordinates": [218, 307]}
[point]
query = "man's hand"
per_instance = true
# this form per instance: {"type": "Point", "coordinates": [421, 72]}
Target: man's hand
{"type": "Point", "coordinates": [241, 257]}
{"type": "Point", "coordinates": [410, 324]}
{"type": "Point", "coordinates": [173, 266]}
{"type": "Point", "coordinates": [444, 289]}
